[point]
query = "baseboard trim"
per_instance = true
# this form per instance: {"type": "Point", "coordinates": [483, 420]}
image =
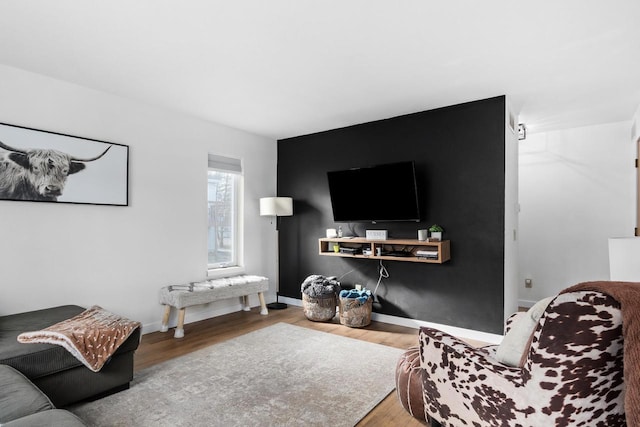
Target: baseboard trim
{"type": "Point", "coordinates": [526, 303]}
{"type": "Point", "coordinates": [195, 315]}
{"type": "Point", "coordinates": [416, 324]}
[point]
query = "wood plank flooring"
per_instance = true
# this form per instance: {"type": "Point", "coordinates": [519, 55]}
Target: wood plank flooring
{"type": "Point", "coordinates": [158, 347]}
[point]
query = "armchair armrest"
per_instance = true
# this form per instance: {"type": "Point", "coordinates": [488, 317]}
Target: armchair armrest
{"type": "Point", "coordinates": [450, 353]}
{"type": "Point", "coordinates": [454, 370]}
{"type": "Point", "coordinates": [512, 319]}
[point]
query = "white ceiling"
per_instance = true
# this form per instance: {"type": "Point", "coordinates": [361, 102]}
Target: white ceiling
{"type": "Point", "coordinates": [284, 68]}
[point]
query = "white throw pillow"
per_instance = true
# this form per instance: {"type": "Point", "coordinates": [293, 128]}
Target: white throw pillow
{"type": "Point", "coordinates": [514, 343]}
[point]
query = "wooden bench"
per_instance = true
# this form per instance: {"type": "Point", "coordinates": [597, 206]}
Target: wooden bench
{"type": "Point", "coordinates": [195, 293]}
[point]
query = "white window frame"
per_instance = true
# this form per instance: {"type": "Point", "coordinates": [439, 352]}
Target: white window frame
{"type": "Point", "coordinates": [233, 166]}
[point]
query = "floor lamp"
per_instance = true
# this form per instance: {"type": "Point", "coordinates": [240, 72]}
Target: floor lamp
{"type": "Point", "coordinates": [276, 206]}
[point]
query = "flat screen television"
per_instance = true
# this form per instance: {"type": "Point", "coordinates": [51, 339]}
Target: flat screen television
{"type": "Point", "coordinates": [380, 193]}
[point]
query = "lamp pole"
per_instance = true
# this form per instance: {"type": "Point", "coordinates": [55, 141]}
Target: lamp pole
{"type": "Point", "coordinates": [277, 206]}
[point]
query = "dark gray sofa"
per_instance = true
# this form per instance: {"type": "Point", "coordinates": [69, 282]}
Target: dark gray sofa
{"type": "Point", "coordinates": [23, 405]}
{"type": "Point", "coordinates": [63, 378]}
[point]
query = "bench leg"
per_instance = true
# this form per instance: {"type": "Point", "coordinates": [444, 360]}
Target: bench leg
{"type": "Point", "coordinates": [244, 300]}
{"type": "Point", "coordinates": [180, 328]}
{"type": "Point", "coordinates": [165, 319]}
{"type": "Point", "coordinates": [263, 305]}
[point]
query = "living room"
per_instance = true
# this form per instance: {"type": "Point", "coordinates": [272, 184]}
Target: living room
{"type": "Point", "coordinates": [570, 176]}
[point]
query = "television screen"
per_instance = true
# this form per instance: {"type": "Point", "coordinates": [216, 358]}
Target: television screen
{"type": "Point", "coordinates": [375, 194]}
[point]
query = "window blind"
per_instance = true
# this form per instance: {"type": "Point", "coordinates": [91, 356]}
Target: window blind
{"type": "Point", "coordinates": [226, 164]}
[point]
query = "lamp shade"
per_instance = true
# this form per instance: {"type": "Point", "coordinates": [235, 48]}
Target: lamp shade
{"type": "Point", "coordinates": [624, 253]}
{"type": "Point", "coordinates": [276, 206]}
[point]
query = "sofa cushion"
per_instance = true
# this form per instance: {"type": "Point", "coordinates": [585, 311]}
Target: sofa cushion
{"type": "Point", "coordinates": [55, 417]}
{"type": "Point", "coordinates": [38, 360]}
{"type": "Point", "coordinates": [18, 396]}
{"type": "Point", "coordinates": [516, 342]}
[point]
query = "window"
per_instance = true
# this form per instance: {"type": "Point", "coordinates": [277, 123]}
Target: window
{"type": "Point", "coordinates": [223, 195]}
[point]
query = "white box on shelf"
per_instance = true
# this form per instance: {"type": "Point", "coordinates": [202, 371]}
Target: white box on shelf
{"type": "Point", "coordinates": [376, 234]}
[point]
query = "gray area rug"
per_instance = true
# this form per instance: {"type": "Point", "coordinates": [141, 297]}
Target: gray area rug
{"type": "Point", "coordinates": [282, 375]}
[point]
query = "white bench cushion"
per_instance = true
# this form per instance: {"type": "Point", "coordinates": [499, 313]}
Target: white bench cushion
{"type": "Point", "coordinates": [195, 293]}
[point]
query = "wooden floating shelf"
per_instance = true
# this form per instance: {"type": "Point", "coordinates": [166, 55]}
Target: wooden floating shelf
{"type": "Point", "coordinates": [443, 249]}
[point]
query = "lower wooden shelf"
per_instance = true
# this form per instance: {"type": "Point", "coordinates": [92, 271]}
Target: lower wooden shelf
{"type": "Point", "coordinates": [405, 250]}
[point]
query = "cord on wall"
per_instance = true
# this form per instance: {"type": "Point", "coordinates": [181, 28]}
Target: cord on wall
{"type": "Point", "coordinates": [348, 272]}
{"type": "Point", "coordinates": [382, 274]}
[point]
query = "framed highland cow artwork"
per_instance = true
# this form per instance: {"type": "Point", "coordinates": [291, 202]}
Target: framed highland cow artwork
{"type": "Point", "coordinates": [42, 166]}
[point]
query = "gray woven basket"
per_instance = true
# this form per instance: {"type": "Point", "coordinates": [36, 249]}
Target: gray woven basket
{"type": "Point", "coordinates": [355, 314]}
{"type": "Point", "coordinates": [319, 309]}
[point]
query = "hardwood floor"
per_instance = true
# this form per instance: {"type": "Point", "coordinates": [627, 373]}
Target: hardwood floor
{"type": "Point", "coordinates": [157, 347]}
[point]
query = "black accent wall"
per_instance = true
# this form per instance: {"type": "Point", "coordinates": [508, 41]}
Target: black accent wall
{"type": "Point", "coordinates": [459, 158]}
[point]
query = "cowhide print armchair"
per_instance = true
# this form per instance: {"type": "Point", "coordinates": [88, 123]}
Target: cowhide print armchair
{"type": "Point", "coordinates": [570, 373]}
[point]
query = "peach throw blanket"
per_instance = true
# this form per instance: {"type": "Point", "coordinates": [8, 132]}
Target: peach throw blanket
{"type": "Point", "coordinates": [628, 295]}
{"type": "Point", "coordinates": [91, 337]}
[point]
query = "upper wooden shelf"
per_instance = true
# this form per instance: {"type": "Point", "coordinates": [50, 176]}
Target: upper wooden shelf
{"type": "Point", "coordinates": [443, 249]}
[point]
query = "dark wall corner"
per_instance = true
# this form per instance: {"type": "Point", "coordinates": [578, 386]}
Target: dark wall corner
{"type": "Point", "coordinates": [459, 157]}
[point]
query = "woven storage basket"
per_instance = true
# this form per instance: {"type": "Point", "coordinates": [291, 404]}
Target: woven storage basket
{"type": "Point", "coordinates": [319, 309]}
{"type": "Point", "coordinates": [355, 314]}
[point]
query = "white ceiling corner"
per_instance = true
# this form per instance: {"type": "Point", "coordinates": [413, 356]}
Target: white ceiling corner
{"type": "Point", "coordinates": [290, 67]}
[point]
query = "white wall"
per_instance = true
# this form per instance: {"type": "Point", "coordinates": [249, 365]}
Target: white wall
{"type": "Point", "coordinates": [635, 139]}
{"type": "Point", "coordinates": [511, 231]}
{"type": "Point", "coordinates": [635, 127]}
{"type": "Point", "coordinates": [576, 190]}
{"type": "Point", "coordinates": [118, 257]}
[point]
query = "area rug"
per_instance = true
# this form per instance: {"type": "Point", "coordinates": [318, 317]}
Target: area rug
{"type": "Point", "coordinates": [281, 375]}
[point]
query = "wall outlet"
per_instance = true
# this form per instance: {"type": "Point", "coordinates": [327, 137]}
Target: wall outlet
{"type": "Point", "coordinates": [528, 283]}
